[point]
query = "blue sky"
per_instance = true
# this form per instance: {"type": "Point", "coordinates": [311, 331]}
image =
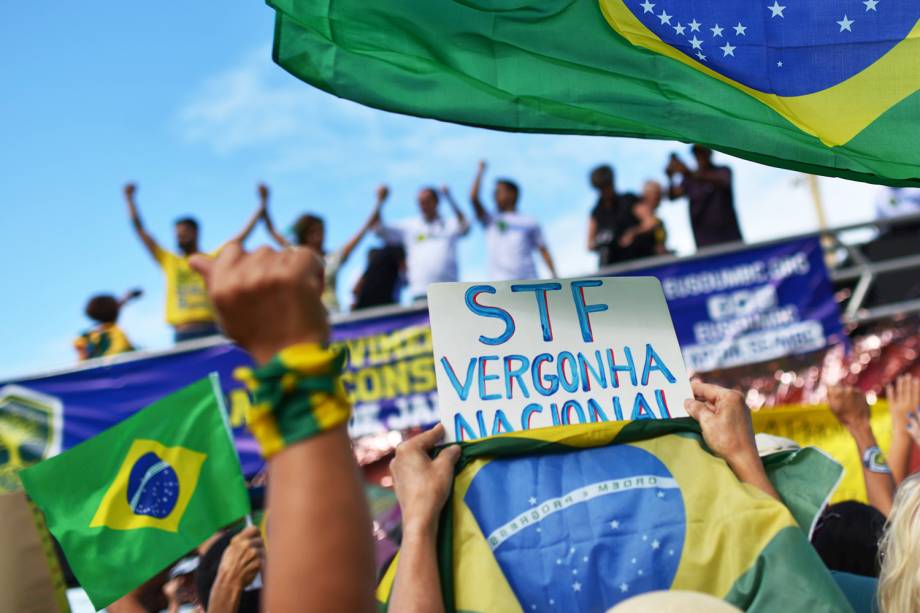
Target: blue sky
{"type": "Point", "coordinates": [185, 100]}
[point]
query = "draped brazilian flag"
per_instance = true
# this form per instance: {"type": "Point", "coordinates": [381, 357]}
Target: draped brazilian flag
{"type": "Point", "coordinates": [579, 518]}
{"type": "Point", "coordinates": [129, 502]}
{"type": "Point", "coordinates": [823, 86]}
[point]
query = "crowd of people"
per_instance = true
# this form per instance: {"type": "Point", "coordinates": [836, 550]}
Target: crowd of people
{"type": "Point", "coordinates": [319, 557]}
{"type": "Point", "coordinates": [420, 250]}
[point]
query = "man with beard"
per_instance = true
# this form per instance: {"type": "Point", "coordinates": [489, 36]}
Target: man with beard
{"type": "Point", "coordinates": [188, 309]}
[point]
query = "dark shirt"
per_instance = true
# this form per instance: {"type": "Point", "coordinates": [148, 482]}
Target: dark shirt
{"type": "Point", "coordinates": [611, 222]}
{"type": "Point", "coordinates": [380, 283]}
{"type": "Point", "coordinates": [648, 244]}
{"type": "Point", "coordinates": [712, 210]}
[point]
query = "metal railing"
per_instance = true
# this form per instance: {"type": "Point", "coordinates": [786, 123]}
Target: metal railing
{"type": "Point", "coordinates": [862, 269]}
{"type": "Point", "coordinates": [858, 267]}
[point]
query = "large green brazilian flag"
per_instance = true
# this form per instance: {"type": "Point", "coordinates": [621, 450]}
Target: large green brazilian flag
{"type": "Point", "coordinates": [129, 502]}
{"type": "Point", "coordinates": [580, 518]}
{"type": "Point", "coordinates": [825, 86]}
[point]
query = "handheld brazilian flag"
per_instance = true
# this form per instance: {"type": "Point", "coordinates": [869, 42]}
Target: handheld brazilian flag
{"type": "Point", "coordinates": [579, 518]}
{"type": "Point", "coordinates": [129, 502]}
{"type": "Point", "coordinates": [823, 86]}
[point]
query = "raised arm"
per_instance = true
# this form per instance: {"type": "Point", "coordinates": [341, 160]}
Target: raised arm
{"type": "Point", "coordinates": [269, 224]}
{"type": "Point", "coordinates": [422, 487]}
{"type": "Point", "coordinates": [675, 166]}
{"type": "Point", "coordinates": [320, 550]}
{"type": "Point", "coordinates": [480, 211]}
{"type": "Point", "coordinates": [372, 220]}
{"type": "Point", "coordinates": [725, 420]}
{"type": "Point", "coordinates": [903, 399]}
{"type": "Point", "coordinates": [254, 219]}
{"type": "Point", "coordinates": [461, 218]}
{"type": "Point", "coordinates": [850, 408]}
{"type": "Point", "coordinates": [152, 247]}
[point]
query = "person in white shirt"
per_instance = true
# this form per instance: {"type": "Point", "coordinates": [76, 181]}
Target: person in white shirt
{"type": "Point", "coordinates": [511, 238]}
{"type": "Point", "coordinates": [430, 241]}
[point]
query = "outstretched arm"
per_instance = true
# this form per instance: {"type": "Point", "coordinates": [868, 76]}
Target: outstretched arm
{"type": "Point", "coordinates": [903, 399]}
{"type": "Point", "coordinates": [320, 550]}
{"type": "Point", "coordinates": [481, 214]}
{"type": "Point", "coordinates": [254, 219]}
{"type": "Point", "coordinates": [373, 220]}
{"type": "Point", "coordinates": [422, 487]}
{"type": "Point", "coordinates": [725, 421]}
{"type": "Point", "coordinates": [269, 224]}
{"type": "Point", "coordinates": [548, 260]}
{"type": "Point", "coordinates": [152, 247]}
{"type": "Point", "coordinates": [850, 408]}
{"type": "Point", "coordinates": [461, 218]}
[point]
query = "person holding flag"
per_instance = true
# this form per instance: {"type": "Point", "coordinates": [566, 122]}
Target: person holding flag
{"type": "Point", "coordinates": [188, 310]}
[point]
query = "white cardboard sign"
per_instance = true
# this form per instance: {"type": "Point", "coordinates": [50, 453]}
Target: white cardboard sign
{"type": "Point", "coordinates": [520, 355]}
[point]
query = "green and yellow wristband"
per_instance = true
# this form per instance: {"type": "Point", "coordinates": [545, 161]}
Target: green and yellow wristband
{"type": "Point", "coordinates": [296, 395]}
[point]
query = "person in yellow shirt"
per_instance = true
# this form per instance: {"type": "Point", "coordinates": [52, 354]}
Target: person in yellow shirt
{"type": "Point", "coordinates": [188, 308]}
{"type": "Point", "coordinates": [106, 338]}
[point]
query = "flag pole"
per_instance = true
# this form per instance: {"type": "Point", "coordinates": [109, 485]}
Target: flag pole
{"type": "Point", "coordinates": [214, 377]}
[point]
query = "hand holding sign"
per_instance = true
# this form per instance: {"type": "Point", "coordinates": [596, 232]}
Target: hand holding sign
{"type": "Point", "coordinates": [519, 355]}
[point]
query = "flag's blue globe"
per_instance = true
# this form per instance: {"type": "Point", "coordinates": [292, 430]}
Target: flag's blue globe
{"type": "Point", "coordinates": [582, 530]}
{"type": "Point", "coordinates": [153, 487]}
{"type": "Point", "coordinates": [783, 47]}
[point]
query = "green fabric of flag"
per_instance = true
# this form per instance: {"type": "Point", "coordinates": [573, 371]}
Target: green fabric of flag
{"type": "Point", "coordinates": [788, 90]}
{"type": "Point", "coordinates": [580, 518]}
{"type": "Point", "coordinates": [129, 502]}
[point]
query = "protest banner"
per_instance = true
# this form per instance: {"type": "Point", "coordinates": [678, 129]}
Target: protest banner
{"type": "Point", "coordinates": [528, 354]}
{"type": "Point", "coordinates": [750, 306]}
{"type": "Point", "coordinates": [390, 375]}
{"type": "Point", "coordinates": [815, 425]}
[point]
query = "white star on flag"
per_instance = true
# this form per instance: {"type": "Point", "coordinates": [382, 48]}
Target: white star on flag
{"type": "Point", "coordinates": [696, 43]}
{"type": "Point", "coordinates": [532, 501]}
{"type": "Point", "coordinates": [558, 560]}
{"type": "Point", "coordinates": [665, 18]}
{"type": "Point", "coordinates": [726, 51]}
{"type": "Point", "coordinates": [647, 7]}
{"type": "Point", "coordinates": [695, 25]}
{"type": "Point", "coordinates": [656, 544]}
{"type": "Point", "coordinates": [641, 572]}
{"type": "Point", "coordinates": [574, 571]}
{"type": "Point", "coordinates": [740, 29]}
{"type": "Point", "coordinates": [845, 24]}
{"type": "Point", "coordinates": [776, 9]}
{"type": "Point", "coordinates": [779, 64]}
{"type": "Point", "coordinates": [716, 30]}
{"type": "Point", "coordinates": [870, 5]}
{"type": "Point", "coordinates": [679, 29]}
{"type": "Point", "coordinates": [576, 586]}
{"type": "Point", "coordinates": [614, 524]}
{"type": "Point", "coordinates": [624, 587]}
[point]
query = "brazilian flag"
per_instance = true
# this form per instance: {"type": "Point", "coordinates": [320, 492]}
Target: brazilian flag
{"type": "Point", "coordinates": [129, 502]}
{"type": "Point", "coordinates": [579, 518]}
{"type": "Point", "coordinates": [824, 86]}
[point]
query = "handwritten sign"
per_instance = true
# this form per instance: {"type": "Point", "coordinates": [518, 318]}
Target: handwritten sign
{"type": "Point", "coordinates": [519, 355]}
